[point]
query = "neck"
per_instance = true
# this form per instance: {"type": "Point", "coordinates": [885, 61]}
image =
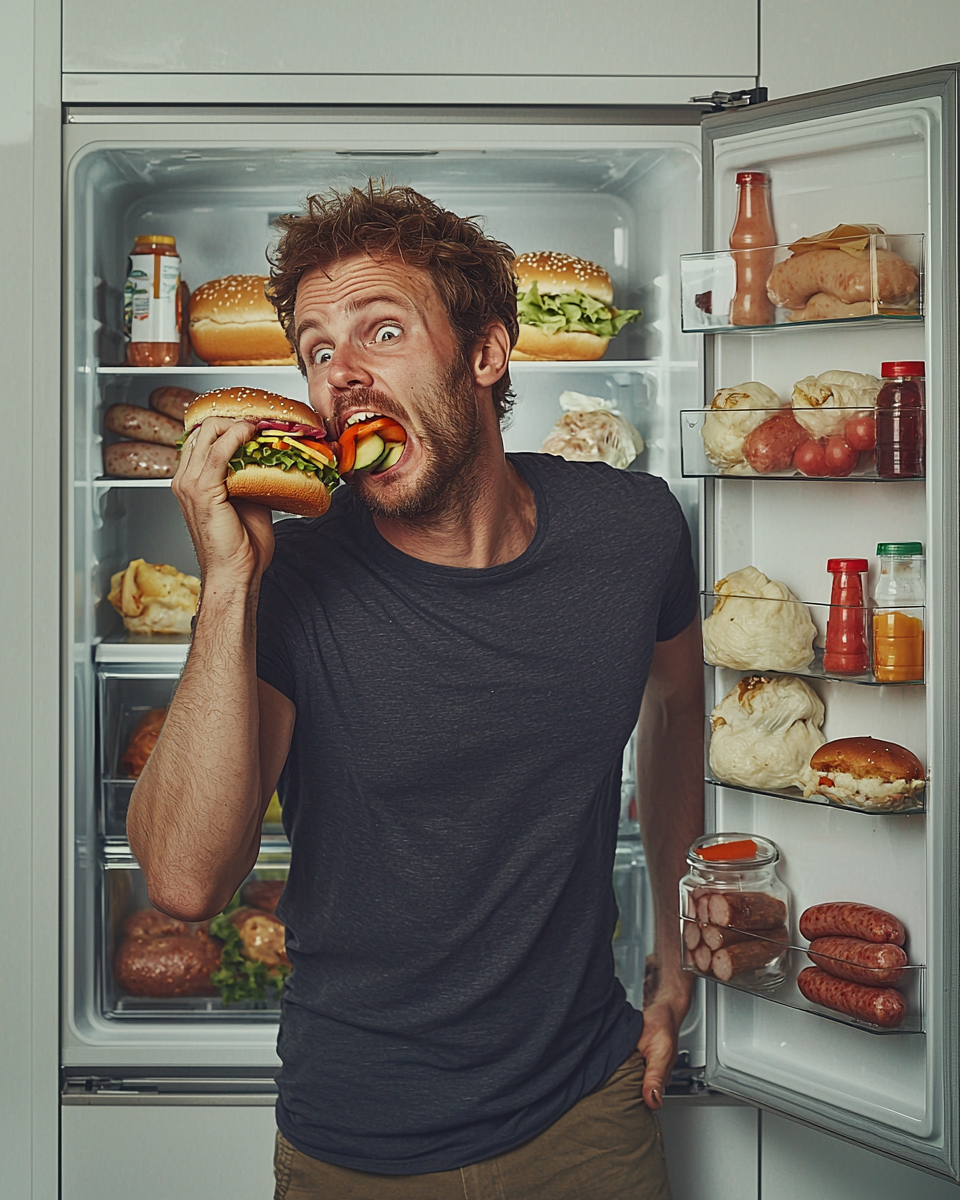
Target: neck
{"type": "Point", "coordinates": [490, 518]}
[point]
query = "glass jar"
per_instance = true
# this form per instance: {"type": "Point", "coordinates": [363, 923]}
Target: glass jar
{"type": "Point", "coordinates": [901, 421]}
{"type": "Point", "coordinates": [898, 616]}
{"type": "Point", "coordinates": [152, 309]}
{"type": "Point", "coordinates": [735, 911]}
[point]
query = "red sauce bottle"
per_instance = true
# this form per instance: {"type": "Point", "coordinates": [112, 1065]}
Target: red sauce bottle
{"type": "Point", "coordinates": [901, 421]}
{"type": "Point", "coordinates": [846, 651]}
{"type": "Point", "coordinates": [752, 228]}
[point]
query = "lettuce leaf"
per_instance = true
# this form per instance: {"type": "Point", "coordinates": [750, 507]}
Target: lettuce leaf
{"type": "Point", "coordinates": [572, 312]}
{"type": "Point", "coordinates": [239, 978]}
{"type": "Point", "coordinates": [262, 454]}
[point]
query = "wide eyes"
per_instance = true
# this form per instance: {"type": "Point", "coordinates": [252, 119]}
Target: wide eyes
{"type": "Point", "coordinates": [322, 356]}
{"type": "Point", "coordinates": [387, 333]}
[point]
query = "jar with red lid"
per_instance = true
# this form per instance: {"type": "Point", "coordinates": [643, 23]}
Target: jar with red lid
{"type": "Point", "coordinates": [735, 910]}
{"type": "Point", "coordinates": [152, 309]}
{"type": "Point", "coordinates": [846, 650]}
{"type": "Point", "coordinates": [901, 421]}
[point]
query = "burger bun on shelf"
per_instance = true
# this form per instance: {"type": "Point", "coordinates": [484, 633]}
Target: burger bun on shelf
{"type": "Point", "coordinates": [865, 772]}
{"type": "Point", "coordinates": [233, 324]}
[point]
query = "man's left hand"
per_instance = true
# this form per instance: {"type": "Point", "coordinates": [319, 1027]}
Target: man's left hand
{"type": "Point", "coordinates": [662, 1019]}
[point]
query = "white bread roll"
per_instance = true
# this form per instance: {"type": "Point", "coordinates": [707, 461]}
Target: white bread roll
{"type": "Point", "coordinates": [233, 324]}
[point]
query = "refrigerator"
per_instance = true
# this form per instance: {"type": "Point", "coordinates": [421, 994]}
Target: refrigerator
{"type": "Point", "coordinates": [648, 193]}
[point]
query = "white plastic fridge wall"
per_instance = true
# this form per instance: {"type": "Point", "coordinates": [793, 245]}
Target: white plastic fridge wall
{"type": "Point", "coordinates": [871, 167]}
{"type": "Point", "coordinates": [628, 198]}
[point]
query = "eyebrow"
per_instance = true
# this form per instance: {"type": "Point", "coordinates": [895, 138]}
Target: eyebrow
{"type": "Point", "coordinates": [351, 307]}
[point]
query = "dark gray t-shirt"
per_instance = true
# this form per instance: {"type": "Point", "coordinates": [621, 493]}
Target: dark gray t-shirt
{"type": "Point", "coordinates": [451, 797]}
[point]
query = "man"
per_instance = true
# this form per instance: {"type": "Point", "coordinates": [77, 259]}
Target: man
{"type": "Point", "coordinates": [442, 673]}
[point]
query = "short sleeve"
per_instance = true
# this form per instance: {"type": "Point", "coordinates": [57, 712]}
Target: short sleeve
{"type": "Point", "coordinates": [273, 660]}
{"type": "Point", "coordinates": [679, 600]}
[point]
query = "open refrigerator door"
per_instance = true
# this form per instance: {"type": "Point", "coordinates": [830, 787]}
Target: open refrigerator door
{"type": "Point", "coordinates": [882, 154]}
{"type": "Point", "coordinates": [622, 194]}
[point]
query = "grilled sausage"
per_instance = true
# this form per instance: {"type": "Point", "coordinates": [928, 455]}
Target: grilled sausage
{"type": "Point", "coordinates": [172, 401]}
{"type": "Point", "coordinates": [143, 424]}
{"type": "Point", "coordinates": [844, 918]}
{"type": "Point", "coordinates": [139, 460]}
{"type": "Point", "coordinates": [860, 962]}
{"type": "Point", "coordinates": [878, 1005]}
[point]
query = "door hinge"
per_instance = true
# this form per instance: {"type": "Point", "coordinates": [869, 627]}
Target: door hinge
{"type": "Point", "coordinates": [722, 101]}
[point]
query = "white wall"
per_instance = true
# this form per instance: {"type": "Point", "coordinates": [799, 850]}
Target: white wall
{"type": "Point", "coordinates": [806, 45]}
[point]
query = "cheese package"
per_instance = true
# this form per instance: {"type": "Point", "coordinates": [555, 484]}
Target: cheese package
{"type": "Point", "coordinates": [757, 624]}
{"type": "Point", "coordinates": [591, 430]}
{"type": "Point", "coordinates": [154, 598]}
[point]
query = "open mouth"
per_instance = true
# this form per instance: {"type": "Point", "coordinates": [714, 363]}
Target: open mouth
{"type": "Point", "coordinates": [370, 442]}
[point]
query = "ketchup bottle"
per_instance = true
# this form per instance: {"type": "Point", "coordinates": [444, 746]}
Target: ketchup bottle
{"type": "Point", "coordinates": [846, 651]}
{"type": "Point", "coordinates": [752, 228]}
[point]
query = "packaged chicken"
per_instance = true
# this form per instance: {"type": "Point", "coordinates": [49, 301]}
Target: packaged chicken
{"type": "Point", "coordinates": [591, 430]}
{"type": "Point", "coordinates": [734, 413]}
{"type": "Point", "coordinates": [757, 624]}
{"type": "Point", "coordinates": [822, 403]}
{"type": "Point", "coordinates": [765, 731]}
{"type": "Point", "coordinates": [154, 598]}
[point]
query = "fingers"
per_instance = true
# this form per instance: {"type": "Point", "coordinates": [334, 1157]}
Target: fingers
{"type": "Point", "coordinates": [652, 1089]}
{"type": "Point", "coordinates": [209, 448]}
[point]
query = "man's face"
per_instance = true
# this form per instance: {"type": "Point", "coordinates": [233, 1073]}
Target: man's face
{"type": "Point", "coordinates": [375, 338]}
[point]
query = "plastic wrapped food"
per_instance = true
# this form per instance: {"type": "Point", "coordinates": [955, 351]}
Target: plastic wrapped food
{"type": "Point", "coordinates": [154, 597]}
{"type": "Point", "coordinates": [765, 731]}
{"type": "Point", "coordinates": [821, 403]}
{"type": "Point", "coordinates": [757, 624]}
{"type": "Point", "coordinates": [735, 412]}
{"type": "Point", "coordinates": [591, 430]}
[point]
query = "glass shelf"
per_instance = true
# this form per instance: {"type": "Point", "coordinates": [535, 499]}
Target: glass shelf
{"type": "Point", "coordinates": [140, 648]}
{"type": "Point", "coordinates": [784, 989]}
{"type": "Point", "coordinates": [886, 289]}
{"type": "Point", "coordinates": [796, 796]}
{"type": "Point", "coordinates": [601, 365]}
{"type": "Point", "coordinates": [724, 431]}
{"type": "Point", "coordinates": [738, 610]}
{"type": "Point", "coordinates": [110, 481]}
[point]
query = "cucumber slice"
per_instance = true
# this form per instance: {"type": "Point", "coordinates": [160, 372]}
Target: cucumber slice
{"type": "Point", "coordinates": [394, 450]}
{"type": "Point", "coordinates": [369, 450]}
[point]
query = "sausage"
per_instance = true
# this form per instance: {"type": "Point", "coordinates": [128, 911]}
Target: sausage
{"type": "Point", "coordinates": [172, 965]}
{"type": "Point", "coordinates": [702, 957]}
{"type": "Point", "coordinates": [821, 307]}
{"type": "Point", "coordinates": [142, 424]}
{"type": "Point", "coordinates": [691, 934]}
{"type": "Point", "coordinates": [744, 956]}
{"type": "Point", "coordinates": [717, 938]}
{"type": "Point", "coordinates": [844, 918]}
{"type": "Point", "coordinates": [172, 401]}
{"type": "Point", "coordinates": [264, 894]}
{"type": "Point", "coordinates": [844, 276]}
{"type": "Point", "coordinates": [859, 961]}
{"type": "Point", "coordinates": [770, 446]}
{"type": "Point", "coordinates": [878, 1005]}
{"type": "Point", "coordinates": [747, 910]}
{"type": "Point", "coordinates": [139, 460]}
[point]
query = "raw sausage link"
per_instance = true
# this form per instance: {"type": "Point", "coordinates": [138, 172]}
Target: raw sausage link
{"type": "Point", "coordinates": [838, 274]}
{"type": "Point", "coordinates": [859, 961]}
{"type": "Point", "coordinates": [139, 460]}
{"type": "Point", "coordinates": [142, 424]}
{"type": "Point", "coordinates": [880, 1006]}
{"type": "Point", "coordinates": [844, 918]}
{"type": "Point", "coordinates": [172, 401]}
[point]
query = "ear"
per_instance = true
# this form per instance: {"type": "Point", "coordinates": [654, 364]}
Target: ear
{"type": "Point", "coordinates": [491, 355]}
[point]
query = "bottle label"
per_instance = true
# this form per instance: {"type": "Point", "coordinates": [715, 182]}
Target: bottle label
{"type": "Point", "coordinates": [150, 298]}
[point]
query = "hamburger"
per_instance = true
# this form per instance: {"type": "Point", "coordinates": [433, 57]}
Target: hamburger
{"type": "Point", "coordinates": [564, 305]}
{"type": "Point", "coordinates": [865, 772]}
{"type": "Point", "coordinates": [288, 464]}
{"type": "Point", "coordinates": [233, 324]}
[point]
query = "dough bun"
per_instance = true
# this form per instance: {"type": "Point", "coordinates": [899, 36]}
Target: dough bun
{"type": "Point", "coordinates": [868, 758]}
{"type": "Point", "coordinates": [233, 324]}
{"type": "Point", "coordinates": [555, 273]}
{"type": "Point", "coordinates": [293, 491]}
{"type": "Point", "coordinates": [533, 345]}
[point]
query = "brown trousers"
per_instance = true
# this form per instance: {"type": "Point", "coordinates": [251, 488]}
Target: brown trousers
{"type": "Point", "coordinates": [607, 1147]}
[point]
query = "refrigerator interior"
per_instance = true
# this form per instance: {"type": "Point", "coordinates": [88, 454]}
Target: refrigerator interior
{"type": "Point", "coordinates": [628, 198]}
{"type": "Point", "coordinates": [881, 165]}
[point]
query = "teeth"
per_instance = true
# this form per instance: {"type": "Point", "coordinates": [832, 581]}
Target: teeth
{"type": "Point", "coordinates": [360, 416]}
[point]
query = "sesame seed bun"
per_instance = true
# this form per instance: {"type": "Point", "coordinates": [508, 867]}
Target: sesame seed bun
{"type": "Point", "coordinates": [233, 324]}
{"type": "Point", "coordinates": [868, 758]}
{"type": "Point", "coordinates": [243, 403]}
{"type": "Point", "coordinates": [555, 273]}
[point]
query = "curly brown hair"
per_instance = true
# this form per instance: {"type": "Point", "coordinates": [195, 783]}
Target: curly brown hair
{"type": "Point", "coordinates": [472, 272]}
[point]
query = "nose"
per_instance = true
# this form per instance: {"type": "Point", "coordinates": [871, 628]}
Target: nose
{"type": "Point", "coordinates": [347, 369]}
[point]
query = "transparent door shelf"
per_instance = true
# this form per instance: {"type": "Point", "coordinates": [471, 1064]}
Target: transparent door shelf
{"type": "Point", "coordinates": [887, 289]}
{"type": "Point", "coordinates": [784, 990]}
{"type": "Point", "coordinates": [776, 620]}
{"type": "Point", "coordinates": [600, 365]}
{"type": "Point", "coordinates": [725, 431]}
{"type": "Point", "coordinates": [914, 806]}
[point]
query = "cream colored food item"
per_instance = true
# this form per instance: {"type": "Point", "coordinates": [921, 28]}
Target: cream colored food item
{"type": "Point", "coordinates": [591, 430]}
{"type": "Point", "coordinates": [863, 793]}
{"type": "Point", "coordinates": [735, 412]}
{"type": "Point", "coordinates": [154, 597]}
{"type": "Point", "coordinates": [757, 624]}
{"type": "Point", "coordinates": [765, 731]}
{"type": "Point", "coordinates": [822, 403]}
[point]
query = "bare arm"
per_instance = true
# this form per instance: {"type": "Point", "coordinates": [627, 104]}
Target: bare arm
{"type": "Point", "coordinates": [195, 816]}
{"type": "Point", "coordinates": [670, 792]}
